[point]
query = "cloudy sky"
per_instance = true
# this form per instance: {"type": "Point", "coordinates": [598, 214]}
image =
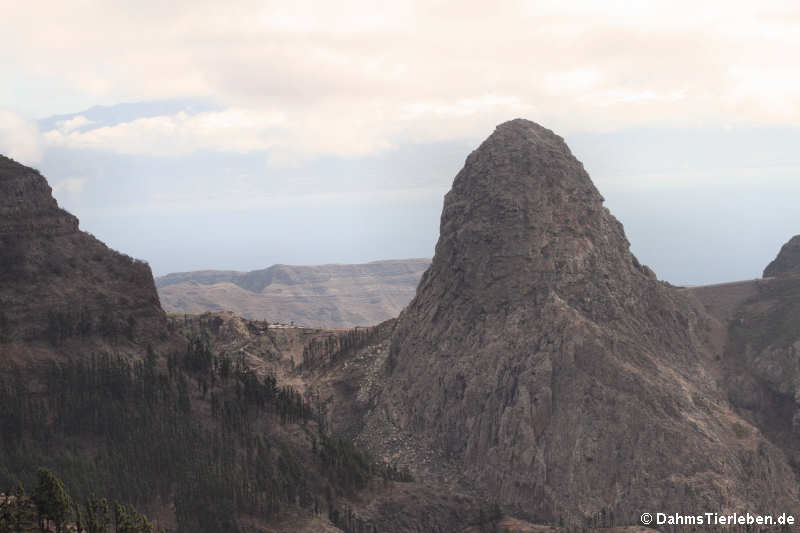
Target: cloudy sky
{"type": "Point", "coordinates": [240, 134]}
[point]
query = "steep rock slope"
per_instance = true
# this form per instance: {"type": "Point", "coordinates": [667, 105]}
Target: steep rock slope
{"type": "Point", "coordinates": [761, 320]}
{"type": "Point", "coordinates": [332, 296]}
{"type": "Point", "coordinates": [787, 261]}
{"type": "Point", "coordinates": [58, 282]}
{"type": "Point", "coordinates": [762, 356]}
{"type": "Point", "coordinates": [551, 368]}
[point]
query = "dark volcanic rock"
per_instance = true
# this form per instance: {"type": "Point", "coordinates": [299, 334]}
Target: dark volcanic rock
{"type": "Point", "coordinates": [762, 356]}
{"type": "Point", "coordinates": [788, 260]}
{"type": "Point", "coordinates": [58, 282]}
{"type": "Point", "coordinates": [550, 368]}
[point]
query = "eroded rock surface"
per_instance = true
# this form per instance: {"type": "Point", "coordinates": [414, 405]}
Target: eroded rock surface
{"type": "Point", "coordinates": [550, 368]}
{"type": "Point", "coordinates": [57, 282]}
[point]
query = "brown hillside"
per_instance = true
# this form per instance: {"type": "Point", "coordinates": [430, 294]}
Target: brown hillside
{"type": "Point", "coordinates": [721, 300]}
{"type": "Point", "coordinates": [331, 296]}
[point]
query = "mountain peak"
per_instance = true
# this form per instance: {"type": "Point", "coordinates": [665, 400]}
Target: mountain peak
{"type": "Point", "coordinates": [788, 260]}
{"type": "Point", "coordinates": [541, 358]}
{"type": "Point", "coordinates": [523, 218]}
{"type": "Point", "coordinates": [529, 149]}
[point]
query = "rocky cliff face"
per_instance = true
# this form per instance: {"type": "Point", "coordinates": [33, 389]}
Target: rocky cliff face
{"type": "Point", "coordinates": [761, 367]}
{"type": "Point", "coordinates": [57, 282]}
{"type": "Point", "coordinates": [550, 368]}
{"type": "Point", "coordinates": [762, 356]}
{"type": "Point", "coordinates": [788, 260]}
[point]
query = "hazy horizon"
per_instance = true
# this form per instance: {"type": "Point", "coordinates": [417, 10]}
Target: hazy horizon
{"type": "Point", "coordinates": [312, 134]}
{"type": "Point", "coordinates": [701, 219]}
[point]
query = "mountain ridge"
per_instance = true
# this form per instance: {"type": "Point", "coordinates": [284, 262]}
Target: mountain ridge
{"type": "Point", "coordinates": [211, 276]}
{"type": "Point", "coordinates": [333, 295]}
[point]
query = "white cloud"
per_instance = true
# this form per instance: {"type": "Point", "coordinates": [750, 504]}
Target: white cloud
{"type": "Point", "coordinates": [73, 123]}
{"type": "Point", "coordinates": [179, 134]}
{"type": "Point", "coordinates": [354, 77]}
{"type": "Point", "coordinates": [19, 139]}
{"type": "Point", "coordinates": [290, 137]}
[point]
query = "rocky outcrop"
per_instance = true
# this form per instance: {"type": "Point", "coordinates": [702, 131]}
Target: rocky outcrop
{"type": "Point", "coordinates": [332, 296]}
{"type": "Point", "coordinates": [57, 282]}
{"type": "Point", "coordinates": [761, 341]}
{"type": "Point", "coordinates": [762, 356]}
{"type": "Point", "coordinates": [788, 260]}
{"type": "Point", "coordinates": [551, 369]}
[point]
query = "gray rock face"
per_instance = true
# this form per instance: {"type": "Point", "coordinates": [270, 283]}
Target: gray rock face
{"type": "Point", "coordinates": [762, 361]}
{"type": "Point", "coordinates": [58, 282]}
{"type": "Point", "coordinates": [551, 368]}
{"type": "Point", "coordinates": [788, 260]}
{"type": "Point", "coordinates": [27, 205]}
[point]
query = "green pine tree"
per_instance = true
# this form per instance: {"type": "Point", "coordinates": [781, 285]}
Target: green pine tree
{"type": "Point", "coordinates": [52, 500]}
{"type": "Point", "coordinates": [97, 515]}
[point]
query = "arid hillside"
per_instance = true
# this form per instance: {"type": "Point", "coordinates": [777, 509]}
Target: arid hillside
{"type": "Point", "coordinates": [332, 296]}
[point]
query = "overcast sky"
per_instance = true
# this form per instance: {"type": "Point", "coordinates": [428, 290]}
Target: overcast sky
{"type": "Point", "coordinates": [239, 134]}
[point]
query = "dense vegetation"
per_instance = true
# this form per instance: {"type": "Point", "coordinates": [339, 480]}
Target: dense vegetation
{"type": "Point", "coordinates": [51, 507]}
{"type": "Point", "coordinates": [194, 429]}
{"type": "Point", "coordinates": [337, 345]}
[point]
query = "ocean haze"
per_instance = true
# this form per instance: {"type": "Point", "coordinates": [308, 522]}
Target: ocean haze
{"type": "Point", "coordinates": [699, 205]}
{"type": "Point", "coordinates": [309, 133]}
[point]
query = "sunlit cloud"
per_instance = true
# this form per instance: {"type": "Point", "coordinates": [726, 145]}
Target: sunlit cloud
{"type": "Point", "coordinates": [74, 123]}
{"type": "Point", "coordinates": [352, 78]}
{"type": "Point", "coordinates": [285, 137]}
{"type": "Point", "coordinates": [349, 105]}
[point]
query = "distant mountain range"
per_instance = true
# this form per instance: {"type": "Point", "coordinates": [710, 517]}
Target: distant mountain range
{"type": "Point", "coordinates": [332, 296]}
